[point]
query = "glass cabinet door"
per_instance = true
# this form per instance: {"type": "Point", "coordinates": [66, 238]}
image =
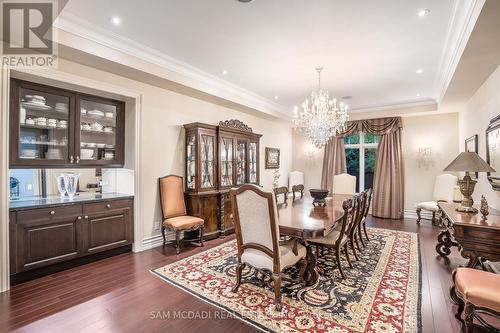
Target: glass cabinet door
{"type": "Point", "coordinates": [241, 152]}
{"type": "Point", "coordinates": [43, 126]}
{"type": "Point", "coordinates": [98, 131]}
{"type": "Point", "coordinates": [191, 162]}
{"type": "Point", "coordinates": [226, 162]}
{"type": "Point", "coordinates": [252, 162]}
{"type": "Point", "coordinates": [207, 155]}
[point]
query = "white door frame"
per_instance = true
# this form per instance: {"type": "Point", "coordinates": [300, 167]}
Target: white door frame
{"type": "Point", "coordinates": [56, 75]}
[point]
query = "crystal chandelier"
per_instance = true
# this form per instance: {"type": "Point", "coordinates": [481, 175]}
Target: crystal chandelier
{"type": "Point", "coordinates": [321, 117]}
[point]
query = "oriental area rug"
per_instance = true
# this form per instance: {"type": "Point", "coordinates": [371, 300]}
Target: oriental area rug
{"type": "Point", "coordinates": [381, 293]}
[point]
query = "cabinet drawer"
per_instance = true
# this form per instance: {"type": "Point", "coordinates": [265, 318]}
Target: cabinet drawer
{"type": "Point", "coordinates": [106, 206]}
{"type": "Point", "coordinates": [48, 215]}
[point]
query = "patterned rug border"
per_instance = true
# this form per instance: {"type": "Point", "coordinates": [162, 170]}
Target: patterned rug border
{"type": "Point", "coordinates": [265, 329]}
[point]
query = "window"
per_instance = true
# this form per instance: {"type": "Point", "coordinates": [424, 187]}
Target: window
{"type": "Point", "coordinates": [361, 155]}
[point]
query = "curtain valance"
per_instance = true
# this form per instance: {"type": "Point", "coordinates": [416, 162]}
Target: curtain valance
{"type": "Point", "coordinates": [379, 126]}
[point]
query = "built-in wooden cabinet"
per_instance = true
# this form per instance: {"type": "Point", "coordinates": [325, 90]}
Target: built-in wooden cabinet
{"type": "Point", "coordinates": [52, 127]}
{"type": "Point", "coordinates": [218, 158]}
{"type": "Point", "coordinates": [41, 237]}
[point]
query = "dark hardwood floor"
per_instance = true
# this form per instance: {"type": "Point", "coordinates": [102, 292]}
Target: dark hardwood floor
{"type": "Point", "coordinates": [119, 294]}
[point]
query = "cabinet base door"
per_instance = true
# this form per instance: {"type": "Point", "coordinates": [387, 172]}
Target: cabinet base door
{"type": "Point", "coordinates": [108, 231]}
{"type": "Point", "coordinates": [204, 206]}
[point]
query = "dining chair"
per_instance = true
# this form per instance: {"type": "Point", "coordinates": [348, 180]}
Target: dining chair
{"type": "Point", "coordinates": [362, 223]}
{"type": "Point", "coordinates": [258, 239]}
{"type": "Point", "coordinates": [173, 210]}
{"type": "Point", "coordinates": [355, 222]}
{"type": "Point", "coordinates": [344, 184]}
{"type": "Point", "coordinates": [337, 239]}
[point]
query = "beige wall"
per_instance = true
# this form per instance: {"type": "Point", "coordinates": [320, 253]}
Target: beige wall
{"type": "Point", "coordinates": [440, 132]}
{"type": "Point", "coordinates": [474, 119]}
{"type": "Point", "coordinates": [164, 113]}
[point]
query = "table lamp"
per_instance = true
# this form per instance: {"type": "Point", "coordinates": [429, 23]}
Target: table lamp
{"type": "Point", "coordinates": [468, 162]}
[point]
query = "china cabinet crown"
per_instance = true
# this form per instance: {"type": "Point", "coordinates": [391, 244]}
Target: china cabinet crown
{"type": "Point", "coordinates": [218, 158]}
{"type": "Point", "coordinates": [53, 127]}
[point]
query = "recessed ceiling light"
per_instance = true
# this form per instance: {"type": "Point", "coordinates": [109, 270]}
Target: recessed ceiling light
{"type": "Point", "coordinates": [116, 20]}
{"type": "Point", "coordinates": [224, 72]}
{"type": "Point", "coordinates": [347, 97]}
{"type": "Point", "coordinates": [276, 97]}
{"type": "Point", "coordinates": [418, 95]}
{"type": "Point", "coordinates": [419, 71]}
{"type": "Point", "coordinates": [424, 12]}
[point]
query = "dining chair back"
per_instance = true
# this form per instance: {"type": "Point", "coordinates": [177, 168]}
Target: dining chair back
{"type": "Point", "coordinates": [356, 220]}
{"type": "Point", "coordinates": [344, 184]}
{"type": "Point", "coordinates": [257, 236]}
{"type": "Point", "coordinates": [368, 201]}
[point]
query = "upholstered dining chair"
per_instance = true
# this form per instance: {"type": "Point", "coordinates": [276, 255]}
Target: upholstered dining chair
{"type": "Point", "coordinates": [444, 187]}
{"type": "Point", "coordinates": [362, 222]}
{"type": "Point", "coordinates": [478, 293]}
{"type": "Point", "coordinates": [173, 209]}
{"type": "Point", "coordinates": [344, 184]}
{"type": "Point", "coordinates": [338, 238]}
{"type": "Point", "coordinates": [258, 240]}
{"type": "Point", "coordinates": [296, 183]}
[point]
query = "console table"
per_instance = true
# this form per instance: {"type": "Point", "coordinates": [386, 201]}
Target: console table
{"type": "Point", "coordinates": [475, 237]}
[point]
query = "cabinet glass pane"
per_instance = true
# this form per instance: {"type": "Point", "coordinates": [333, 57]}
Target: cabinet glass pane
{"type": "Point", "coordinates": [191, 162]}
{"type": "Point", "coordinates": [241, 163]}
{"type": "Point", "coordinates": [226, 159]}
{"type": "Point", "coordinates": [97, 130]}
{"type": "Point", "coordinates": [43, 126]}
{"type": "Point", "coordinates": [253, 162]}
{"type": "Point", "coordinates": [207, 161]}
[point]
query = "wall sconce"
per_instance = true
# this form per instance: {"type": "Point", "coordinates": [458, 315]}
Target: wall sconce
{"type": "Point", "coordinates": [425, 157]}
{"type": "Point", "coordinates": [310, 152]}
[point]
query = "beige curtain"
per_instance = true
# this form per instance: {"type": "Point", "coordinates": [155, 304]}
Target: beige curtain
{"type": "Point", "coordinates": [388, 185]}
{"type": "Point", "coordinates": [334, 162]}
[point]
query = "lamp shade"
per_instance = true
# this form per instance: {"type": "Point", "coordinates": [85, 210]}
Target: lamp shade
{"type": "Point", "coordinates": [469, 161]}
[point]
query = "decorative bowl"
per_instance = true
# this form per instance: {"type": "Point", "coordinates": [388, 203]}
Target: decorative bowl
{"type": "Point", "coordinates": [319, 196]}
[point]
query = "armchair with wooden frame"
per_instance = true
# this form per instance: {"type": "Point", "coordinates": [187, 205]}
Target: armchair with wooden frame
{"type": "Point", "coordinates": [258, 240]}
{"type": "Point", "coordinates": [338, 238]}
{"type": "Point", "coordinates": [173, 210]}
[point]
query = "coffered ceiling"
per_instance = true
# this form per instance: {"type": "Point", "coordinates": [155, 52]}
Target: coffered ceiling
{"type": "Point", "coordinates": [382, 54]}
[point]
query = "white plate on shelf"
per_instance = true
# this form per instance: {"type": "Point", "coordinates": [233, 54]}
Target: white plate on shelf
{"type": "Point", "coordinates": [95, 113]}
{"type": "Point", "coordinates": [36, 106]}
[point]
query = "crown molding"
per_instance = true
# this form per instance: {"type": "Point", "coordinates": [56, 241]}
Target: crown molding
{"type": "Point", "coordinates": [183, 73]}
{"type": "Point", "coordinates": [461, 24]}
{"type": "Point", "coordinates": [427, 103]}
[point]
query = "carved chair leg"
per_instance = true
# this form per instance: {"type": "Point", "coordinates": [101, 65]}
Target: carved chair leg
{"type": "Point", "coordinates": [351, 241]}
{"type": "Point", "coordinates": [469, 317]}
{"type": "Point", "coordinates": [337, 254]}
{"type": "Point", "coordinates": [163, 234]}
{"type": "Point", "coordinates": [303, 267]}
{"type": "Point", "coordinates": [418, 214]}
{"type": "Point", "coordinates": [346, 250]}
{"type": "Point", "coordinates": [202, 229]}
{"type": "Point", "coordinates": [364, 229]}
{"type": "Point", "coordinates": [460, 309]}
{"type": "Point", "coordinates": [433, 217]}
{"type": "Point", "coordinates": [239, 271]}
{"type": "Point", "coordinates": [360, 235]}
{"type": "Point", "coordinates": [277, 291]}
{"type": "Point", "coordinates": [177, 241]}
{"type": "Point", "coordinates": [356, 240]}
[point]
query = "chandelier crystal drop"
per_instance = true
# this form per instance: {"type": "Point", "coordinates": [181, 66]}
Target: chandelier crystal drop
{"type": "Point", "coordinates": [321, 118]}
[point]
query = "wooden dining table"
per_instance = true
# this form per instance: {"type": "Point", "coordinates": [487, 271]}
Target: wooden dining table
{"type": "Point", "coordinates": [300, 219]}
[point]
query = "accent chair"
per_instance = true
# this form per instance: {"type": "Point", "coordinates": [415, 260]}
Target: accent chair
{"type": "Point", "coordinates": [258, 239]}
{"type": "Point", "coordinates": [173, 210]}
{"type": "Point", "coordinates": [444, 188]}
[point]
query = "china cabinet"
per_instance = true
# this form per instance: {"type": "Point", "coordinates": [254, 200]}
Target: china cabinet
{"type": "Point", "coordinates": [218, 158]}
{"type": "Point", "coordinates": [53, 127]}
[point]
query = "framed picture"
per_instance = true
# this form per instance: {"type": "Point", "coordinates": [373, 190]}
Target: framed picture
{"type": "Point", "coordinates": [471, 145]}
{"type": "Point", "coordinates": [493, 152]}
{"type": "Point", "coordinates": [272, 158]}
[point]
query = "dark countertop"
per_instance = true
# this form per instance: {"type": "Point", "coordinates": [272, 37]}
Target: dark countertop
{"type": "Point", "coordinates": [56, 200]}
